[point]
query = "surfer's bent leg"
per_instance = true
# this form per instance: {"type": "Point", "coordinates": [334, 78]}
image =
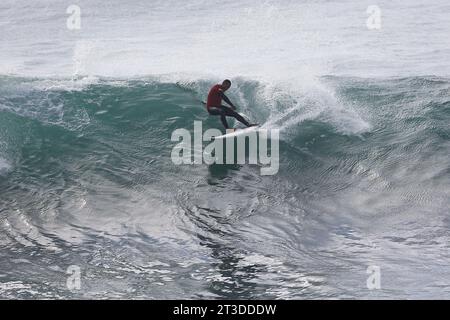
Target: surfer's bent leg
{"type": "Point", "coordinates": [216, 111]}
{"type": "Point", "coordinates": [231, 113]}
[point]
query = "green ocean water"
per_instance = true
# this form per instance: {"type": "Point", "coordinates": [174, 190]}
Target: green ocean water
{"type": "Point", "coordinates": [86, 179]}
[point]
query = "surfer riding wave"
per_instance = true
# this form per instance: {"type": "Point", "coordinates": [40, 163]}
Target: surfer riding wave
{"type": "Point", "coordinates": [215, 108]}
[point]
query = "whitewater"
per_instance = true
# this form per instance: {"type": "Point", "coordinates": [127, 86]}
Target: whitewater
{"type": "Point", "coordinates": [87, 182]}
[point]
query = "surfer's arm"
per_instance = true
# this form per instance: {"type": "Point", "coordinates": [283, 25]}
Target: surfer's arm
{"type": "Point", "coordinates": [225, 98]}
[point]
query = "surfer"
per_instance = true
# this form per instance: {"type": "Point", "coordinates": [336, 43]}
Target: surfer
{"type": "Point", "coordinates": [215, 108]}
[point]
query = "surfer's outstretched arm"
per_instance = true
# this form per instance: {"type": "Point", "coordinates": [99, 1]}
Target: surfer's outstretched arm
{"type": "Point", "coordinates": [225, 98]}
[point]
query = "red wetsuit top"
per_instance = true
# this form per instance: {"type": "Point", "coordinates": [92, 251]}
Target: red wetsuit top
{"type": "Point", "coordinates": [214, 97]}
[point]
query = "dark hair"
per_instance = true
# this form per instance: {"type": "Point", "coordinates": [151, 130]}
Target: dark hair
{"type": "Point", "coordinates": [226, 81]}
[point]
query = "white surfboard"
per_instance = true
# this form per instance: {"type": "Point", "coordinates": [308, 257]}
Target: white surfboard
{"type": "Point", "coordinates": [238, 132]}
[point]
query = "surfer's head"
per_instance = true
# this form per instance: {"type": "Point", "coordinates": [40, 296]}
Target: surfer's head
{"type": "Point", "coordinates": [226, 84]}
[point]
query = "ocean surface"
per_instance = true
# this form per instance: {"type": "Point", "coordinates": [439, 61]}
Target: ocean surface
{"type": "Point", "coordinates": [87, 180]}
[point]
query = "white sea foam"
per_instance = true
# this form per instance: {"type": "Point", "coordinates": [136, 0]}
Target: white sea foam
{"type": "Point", "coordinates": [272, 40]}
{"type": "Point", "coordinates": [4, 166]}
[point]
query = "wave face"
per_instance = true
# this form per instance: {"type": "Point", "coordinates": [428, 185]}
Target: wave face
{"type": "Point", "coordinates": [86, 178]}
